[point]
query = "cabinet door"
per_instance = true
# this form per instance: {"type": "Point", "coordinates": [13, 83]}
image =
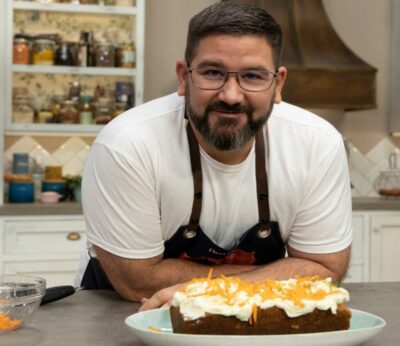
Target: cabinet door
{"type": "Point", "coordinates": [358, 269]}
{"type": "Point", "coordinates": [385, 252]}
{"type": "Point", "coordinates": [56, 272]}
{"type": "Point", "coordinates": [40, 236]}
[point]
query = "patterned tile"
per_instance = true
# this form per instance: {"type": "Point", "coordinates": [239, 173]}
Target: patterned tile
{"type": "Point", "coordinates": [72, 154]}
{"type": "Point", "coordinates": [69, 149]}
{"type": "Point", "coordinates": [381, 151]}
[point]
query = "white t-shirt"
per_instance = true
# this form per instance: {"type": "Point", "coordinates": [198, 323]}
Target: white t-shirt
{"type": "Point", "coordinates": [138, 187]}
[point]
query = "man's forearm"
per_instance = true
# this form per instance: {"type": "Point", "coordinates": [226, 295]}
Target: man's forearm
{"type": "Point", "coordinates": [287, 268]}
{"type": "Point", "coordinates": [135, 282]}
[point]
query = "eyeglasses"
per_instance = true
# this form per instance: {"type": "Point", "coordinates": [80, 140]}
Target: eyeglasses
{"type": "Point", "coordinates": [211, 78]}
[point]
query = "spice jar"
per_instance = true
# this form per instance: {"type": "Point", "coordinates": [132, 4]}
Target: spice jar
{"type": "Point", "coordinates": [105, 55]}
{"type": "Point", "coordinates": [22, 110]}
{"type": "Point", "coordinates": [64, 56]}
{"type": "Point", "coordinates": [20, 51]}
{"type": "Point", "coordinates": [127, 55]}
{"type": "Point", "coordinates": [68, 113]}
{"type": "Point", "coordinates": [43, 52]}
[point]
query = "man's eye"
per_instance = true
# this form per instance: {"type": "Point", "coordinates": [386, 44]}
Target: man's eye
{"type": "Point", "coordinates": [212, 73]}
{"type": "Point", "coordinates": [252, 76]}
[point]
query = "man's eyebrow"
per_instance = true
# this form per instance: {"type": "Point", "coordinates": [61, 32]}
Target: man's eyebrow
{"type": "Point", "coordinates": [213, 63]}
{"type": "Point", "coordinates": [210, 63]}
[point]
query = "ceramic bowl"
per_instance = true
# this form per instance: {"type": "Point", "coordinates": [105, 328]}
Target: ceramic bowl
{"type": "Point", "coordinates": [50, 197]}
{"type": "Point", "coordinates": [55, 186]}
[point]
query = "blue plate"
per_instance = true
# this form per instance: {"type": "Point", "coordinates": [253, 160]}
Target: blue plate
{"type": "Point", "coordinates": [153, 328]}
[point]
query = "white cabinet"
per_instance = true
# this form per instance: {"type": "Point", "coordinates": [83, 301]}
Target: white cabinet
{"type": "Point", "coordinates": [46, 246]}
{"type": "Point", "coordinates": [38, 18]}
{"type": "Point", "coordinates": [359, 262]}
{"type": "Point", "coordinates": [385, 247]}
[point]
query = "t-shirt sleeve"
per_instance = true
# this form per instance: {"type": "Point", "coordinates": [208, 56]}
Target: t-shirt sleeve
{"type": "Point", "coordinates": [120, 204]}
{"type": "Point", "coordinates": [323, 223]}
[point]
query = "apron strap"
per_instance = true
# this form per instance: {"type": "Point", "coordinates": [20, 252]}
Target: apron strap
{"type": "Point", "coordinates": [197, 180]}
{"type": "Point", "coordinates": [261, 177]}
{"type": "Point", "coordinates": [262, 184]}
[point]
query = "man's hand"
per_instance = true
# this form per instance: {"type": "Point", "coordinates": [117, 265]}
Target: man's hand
{"type": "Point", "coordinates": [160, 299]}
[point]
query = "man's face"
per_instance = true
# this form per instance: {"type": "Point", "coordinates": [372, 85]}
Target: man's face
{"type": "Point", "coordinates": [228, 118]}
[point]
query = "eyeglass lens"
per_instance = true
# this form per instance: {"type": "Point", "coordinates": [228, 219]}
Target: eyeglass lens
{"type": "Point", "coordinates": [210, 78]}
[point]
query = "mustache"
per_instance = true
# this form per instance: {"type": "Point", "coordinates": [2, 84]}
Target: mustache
{"type": "Point", "coordinates": [223, 106]}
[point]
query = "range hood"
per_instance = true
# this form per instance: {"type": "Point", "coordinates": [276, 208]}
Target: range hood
{"type": "Point", "coordinates": [322, 71]}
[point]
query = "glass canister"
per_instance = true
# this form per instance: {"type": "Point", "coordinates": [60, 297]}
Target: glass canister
{"type": "Point", "coordinates": [127, 58]}
{"type": "Point", "coordinates": [64, 55]}
{"type": "Point", "coordinates": [68, 113]}
{"type": "Point", "coordinates": [21, 51]}
{"type": "Point", "coordinates": [43, 52]}
{"type": "Point", "coordinates": [22, 110]}
{"type": "Point", "coordinates": [387, 184]}
{"type": "Point", "coordinates": [105, 55]}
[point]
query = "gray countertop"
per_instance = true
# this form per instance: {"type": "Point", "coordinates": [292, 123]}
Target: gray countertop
{"type": "Point", "coordinates": [97, 318]}
{"type": "Point", "coordinates": [61, 208]}
{"type": "Point", "coordinates": [71, 208]}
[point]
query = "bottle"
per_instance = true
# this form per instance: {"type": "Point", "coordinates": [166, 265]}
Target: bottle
{"type": "Point", "coordinates": [86, 114]}
{"type": "Point", "coordinates": [37, 177]}
{"type": "Point", "coordinates": [74, 93]}
{"type": "Point", "coordinates": [68, 113]}
{"type": "Point", "coordinates": [64, 56]}
{"type": "Point", "coordinates": [84, 54]}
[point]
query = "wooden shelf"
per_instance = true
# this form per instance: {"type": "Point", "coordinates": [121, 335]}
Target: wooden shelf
{"type": "Point", "coordinates": [55, 7]}
{"type": "Point", "coordinates": [75, 70]}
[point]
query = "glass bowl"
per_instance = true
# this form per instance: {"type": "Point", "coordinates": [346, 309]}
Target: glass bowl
{"type": "Point", "coordinates": [20, 296]}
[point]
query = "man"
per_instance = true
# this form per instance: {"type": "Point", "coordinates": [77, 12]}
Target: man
{"type": "Point", "coordinates": [221, 175]}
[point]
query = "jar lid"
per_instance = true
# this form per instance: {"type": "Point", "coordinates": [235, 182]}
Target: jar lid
{"type": "Point", "coordinates": [20, 40]}
{"type": "Point", "coordinates": [43, 41]}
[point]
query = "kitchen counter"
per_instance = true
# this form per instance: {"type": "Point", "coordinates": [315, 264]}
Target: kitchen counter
{"type": "Point", "coordinates": [72, 208]}
{"type": "Point", "coordinates": [376, 203]}
{"type": "Point", "coordinates": [97, 318]}
{"type": "Point", "coordinates": [61, 208]}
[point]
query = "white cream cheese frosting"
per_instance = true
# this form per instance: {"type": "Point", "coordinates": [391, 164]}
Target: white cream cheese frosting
{"type": "Point", "coordinates": [229, 296]}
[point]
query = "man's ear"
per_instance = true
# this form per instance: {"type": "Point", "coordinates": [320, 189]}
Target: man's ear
{"type": "Point", "coordinates": [181, 73]}
{"type": "Point", "coordinates": [280, 81]}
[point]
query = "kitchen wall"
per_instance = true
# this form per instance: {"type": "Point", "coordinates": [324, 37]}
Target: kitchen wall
{"type": "Point", "coordinates": [364, 25]}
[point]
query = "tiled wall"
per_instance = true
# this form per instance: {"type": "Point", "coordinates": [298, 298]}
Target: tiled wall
{"type": "Point", "coordinates": [364, 169]}
{"type": "Point", "coordinates": [71, 155]}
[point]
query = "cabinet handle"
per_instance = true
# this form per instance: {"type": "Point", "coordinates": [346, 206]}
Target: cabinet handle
{"type": "Point", "coordinates": [73, 236]}
{"type": "Point", "coordinates": [376, 230]}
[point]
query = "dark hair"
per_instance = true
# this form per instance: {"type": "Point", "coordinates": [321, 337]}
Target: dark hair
{"type": "Point", "coordinates": [233, 19]}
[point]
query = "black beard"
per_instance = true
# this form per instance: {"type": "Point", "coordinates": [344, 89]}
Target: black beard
{"type": "Point", "coordinates": [226, 135]}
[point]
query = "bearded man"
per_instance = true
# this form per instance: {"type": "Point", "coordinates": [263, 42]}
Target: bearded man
{"type": "Point", "coordinates": [222, 174]}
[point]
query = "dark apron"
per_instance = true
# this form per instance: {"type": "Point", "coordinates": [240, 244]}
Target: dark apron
{"type": "Point", "coordinates": [261, 244]}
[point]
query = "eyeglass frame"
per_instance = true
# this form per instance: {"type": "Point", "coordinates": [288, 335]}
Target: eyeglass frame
{"type": "Point", "coordinates": [274, 75]}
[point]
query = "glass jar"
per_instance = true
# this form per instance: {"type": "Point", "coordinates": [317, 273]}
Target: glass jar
{"type": "Point", "coordinates": [21, 51]}
{"type": "Point", "coordinates": [387, 184]}
{"type": "Point", "coordinates": [105, 55]}
{"type": "Point", "coordinates": [68, 113]}
{"type": "Point", "coordinates": [43, 52]}
{"type": "Point", "coordinates": [64, 56]}
{"type": "Point", "coordinates": [127, 55]}
{"type": "Point", "coordinates": [103, 112]}
{"type": "Point", "coordinates": [23, 111]}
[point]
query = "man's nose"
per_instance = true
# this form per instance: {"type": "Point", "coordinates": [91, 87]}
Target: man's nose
{"type": "Point", "coordinates": [231, 92]}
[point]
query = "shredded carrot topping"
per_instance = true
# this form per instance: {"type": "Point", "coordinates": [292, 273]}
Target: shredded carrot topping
{"type": "Point", "coordinates": [210, 272]}
{"type": "Point", "coordinates": [6, 323]}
